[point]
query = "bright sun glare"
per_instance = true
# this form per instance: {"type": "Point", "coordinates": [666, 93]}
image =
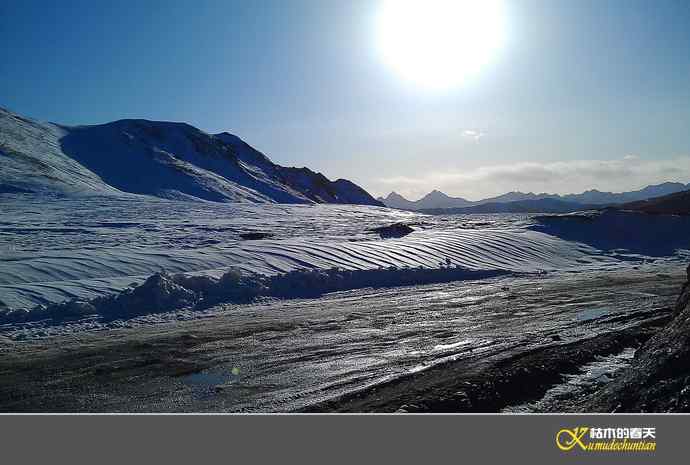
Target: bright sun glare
{"type": "Point", "coordinates": [437, 44]}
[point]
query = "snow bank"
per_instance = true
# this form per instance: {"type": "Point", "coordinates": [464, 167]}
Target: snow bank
{"type": "Point", "coordinates": [164, 293]}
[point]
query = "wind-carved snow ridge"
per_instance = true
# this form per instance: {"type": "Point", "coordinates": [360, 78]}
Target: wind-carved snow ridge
{"type": "Point", "coordinates": [279, 269]}
{"type": "Point", "coordinates": [84, 273]}
{"type": "Point", "coordinates": [326, 249]}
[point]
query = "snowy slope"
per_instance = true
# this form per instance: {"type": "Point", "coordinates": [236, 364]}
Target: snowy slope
{"type": "Point", "coordinates": [90, 246]}
{"type": "Point", "coordinates": [672, 204]}
{"type": "Point", "coordinates": [314, 186]}
{"type": "Point", "coordinates": [162, 159]}
{"type": "Point", "coordinates": [53, 250]}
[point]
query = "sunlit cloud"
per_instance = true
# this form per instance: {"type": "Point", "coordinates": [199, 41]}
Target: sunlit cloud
{"type": "Point", "coordinates": [472, 134]}
{"type": "Point", "coordinates": [628, 173]}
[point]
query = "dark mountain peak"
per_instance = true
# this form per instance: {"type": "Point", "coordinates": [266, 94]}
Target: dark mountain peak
{"type": "Point", "coordinates": [395, 196]}
{"type": "Point", "coordinates": [436, 195]}
{"type": "Point", "coordinates": [230, 138]}
{"type": "Point", "coordinates": [664, 187]}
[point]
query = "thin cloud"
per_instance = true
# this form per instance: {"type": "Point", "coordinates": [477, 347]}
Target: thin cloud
{"type": "Point", "coordinates": [473, 134]}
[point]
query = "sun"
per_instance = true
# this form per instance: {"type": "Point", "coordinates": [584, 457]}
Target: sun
{"type": "Point", "coordinates": [438, 44]}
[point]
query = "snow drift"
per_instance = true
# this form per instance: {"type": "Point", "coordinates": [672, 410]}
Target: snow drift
{"type": "Point", "coordinates": [55, 277]}
{"type": "Point", "coordinates": [625, 232]}
{"type": "Point", "coordinates": [53, 251]}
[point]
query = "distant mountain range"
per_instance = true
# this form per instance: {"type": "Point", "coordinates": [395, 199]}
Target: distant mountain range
{"type": "Point", "coordinates": [163, 159]}
{"type": "Point", "coordinates": [518, 206]}
{"type": "Point", "coordinates": [437, 200]}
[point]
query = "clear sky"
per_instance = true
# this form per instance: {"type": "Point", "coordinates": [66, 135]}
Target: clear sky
{"type": "Point", "coordinates": [581, 94]}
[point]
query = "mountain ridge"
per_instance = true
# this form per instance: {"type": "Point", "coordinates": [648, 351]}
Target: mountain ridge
{"type": "Point", "coordinates": [544, 205]}
{"type": "Point", "coordinates": [590, 197]}
{"type": "Point", "coordinates": [677, 203]}
{"type": "Point", "coordinates": [156, 158]}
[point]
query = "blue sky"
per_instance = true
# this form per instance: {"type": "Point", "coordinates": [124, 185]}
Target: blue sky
{"type": "Point", "coordinates": [586, 93]}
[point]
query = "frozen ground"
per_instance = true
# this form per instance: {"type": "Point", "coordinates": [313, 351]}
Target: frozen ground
{"type": "Point", "coordinates": [382, 343]}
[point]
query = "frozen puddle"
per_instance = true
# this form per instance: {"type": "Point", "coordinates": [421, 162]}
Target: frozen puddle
{"type": "Point", "coordinates": [207, 381]}
{"type": "Point", "coordinates": [596, 373]}
{"type": "Point", "coordinates": [592, 314]}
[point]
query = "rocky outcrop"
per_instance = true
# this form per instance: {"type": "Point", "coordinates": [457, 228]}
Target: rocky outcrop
{"type": "Point", "coordinates": [658, 379]}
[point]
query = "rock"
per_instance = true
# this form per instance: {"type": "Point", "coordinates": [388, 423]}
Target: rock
{"type": "Point", "coordinates": [254, 236]}
{"type": "Point", "coordinates": [393, 230]}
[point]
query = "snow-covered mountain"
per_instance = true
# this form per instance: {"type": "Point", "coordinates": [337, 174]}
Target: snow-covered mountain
{"type": "Point", "coordinates": [434, 199]}
{"type": "Point", "coordinates": [439, 200]}
{"type": "Point", "coordinates": [395, 200]}
{"type": "Point", "coordinates": [162, 159]}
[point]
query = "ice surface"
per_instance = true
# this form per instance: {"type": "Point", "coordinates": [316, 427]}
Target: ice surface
{"type": "Point", "coordinates": [589, 377]}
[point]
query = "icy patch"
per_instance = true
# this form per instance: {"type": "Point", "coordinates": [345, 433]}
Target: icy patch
{"type": "Point", "coordinates": [211, 379]}
{"type": "Point", "coordinates": [455, 345]}
{"type": "Point", "coordinates": [591, 375]}
{"type": "Point", "coordinates": [592, 314]}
